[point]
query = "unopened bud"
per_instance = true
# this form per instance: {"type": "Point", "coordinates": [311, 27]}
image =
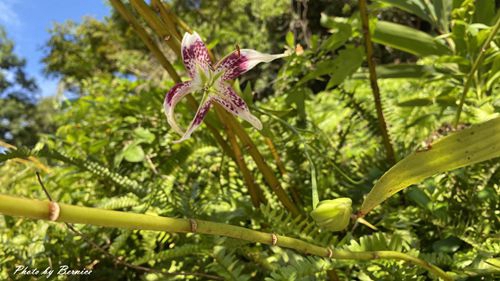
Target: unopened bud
{"type": "Point", "coordinates": [333, 215]}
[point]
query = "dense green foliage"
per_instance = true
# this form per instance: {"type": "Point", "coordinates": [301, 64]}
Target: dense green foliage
{"type": "Point", "coordinates": [22, 117]}
{"type": "Point", "coordinates": [112, 147]}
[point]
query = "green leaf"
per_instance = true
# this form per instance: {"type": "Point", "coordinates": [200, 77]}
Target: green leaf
{"type": "Point", "coordinates": [479, 143]}
{"type": "Point", "coordinates": [390, 71]}
{"type": "Point", "coordinates": [418, 196]}
{"type": "Point", "coordinates": [448, 245]}
{"type": "Point", "coordinates": [404, 71]}
{"type": "Point", "coordinates": [416, 7]}
{"type": "Point", "coordinates": [408, 39]}
{"type": "Point", "coordinates": [290, 40]}
{"type": "Point", "coordinates": [341, 31]}
{"type": "Point", "coordinates": [442, 10]}
{"type": "Point", "coordinates": [144, 135]}
{"type": "Point", "coordinates": [133, 153]}
{"type": "Point", "coordinates": [484, 11]}
{"type": "Point", "coordinates": [347, 61]}
{"type": "Point", "coordinates": [416, 102]}
{"type": "Point", "coordinates": [247, 93]}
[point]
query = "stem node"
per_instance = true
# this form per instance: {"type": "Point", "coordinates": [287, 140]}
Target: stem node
{"type": "Point", "coordinates": [274, 239]}
{"type": "Point", "coordinates": [194, 225]}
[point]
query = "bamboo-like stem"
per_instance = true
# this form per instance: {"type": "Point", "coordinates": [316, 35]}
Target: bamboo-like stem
{"type": "Point", "coordinates": [36, 209]}
{"type": "Point", "coordinates": [253, 189]}
{"type": "Point", "coordinates": [474, 68]}
{"type": "Point", "coordinates": [166, 17]}
{"type": "Point", "coordinates": [266, 171]}
{"type": "Point", "coordinates": [363, 11]}
{"type": "Point", "coordinates": [125, 13]}
{"type": "Point", "coordinates": [160, 28]}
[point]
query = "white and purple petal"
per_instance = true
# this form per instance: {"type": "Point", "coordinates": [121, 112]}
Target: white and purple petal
{"type": "Point", "coordinates": [233, 103]}
{"type": "Point", "coordinates": [195, 55]}
{"type": "Point", "coordinates": [173, 96]}
{"type": "Point", "coordinates": [198, 118]}
{"type": "Point", "coordinates": [241, 61]}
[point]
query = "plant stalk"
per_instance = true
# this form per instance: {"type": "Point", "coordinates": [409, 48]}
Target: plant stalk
{"type": "Point", "coordinates": [363, 11]}
{"type": "Point", "coordinates": [261, 163]}
{"type": "Point", "coordinates": [125, 13]}
{"type": "Point", "coordinates": [230, 120]}
{"type": "Point", "coordinates": [253, 189]}
{"type": "Point", "coordinates": [167, 11]}
{"type": "Point", "coordinates": [160, 28]}
{"type": "Point", "coordinates": [165, 16]}
{"type": "Point", "coordinates": [36, 209]}
{"type": "Point", "coordinates": [474, 68]}
{"type": "Point", "coordinates": [276, 156]}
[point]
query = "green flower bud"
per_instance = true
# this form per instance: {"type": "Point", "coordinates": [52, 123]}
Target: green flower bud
{"type": "Point", "coordinates": [333, 215]}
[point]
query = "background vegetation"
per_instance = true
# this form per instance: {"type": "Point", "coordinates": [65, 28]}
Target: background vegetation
{"type": "Point", "coordinates": [109, 146]}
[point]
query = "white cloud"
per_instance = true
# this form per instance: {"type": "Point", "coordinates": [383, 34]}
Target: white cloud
{"type": "Point", "coordinates": [7, 14]}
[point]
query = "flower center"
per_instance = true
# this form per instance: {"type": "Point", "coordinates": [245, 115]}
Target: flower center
{"type": "Point", "coordinates": [208, 79]}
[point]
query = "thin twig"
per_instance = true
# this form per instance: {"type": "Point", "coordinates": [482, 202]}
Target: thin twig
{"type": "Point", "coordinates": [43, 186]}
{"type": "Point", "coordinates": [276, 156]}
{"type": "Point", "coordinates": [363, 11]}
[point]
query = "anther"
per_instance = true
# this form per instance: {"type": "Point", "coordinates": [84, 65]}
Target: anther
{"type": "Point", "coordinates": [238, 50]}
{"type": "Point", "coordinates": [167, 38]}
{"type": "Point", "coordinates": [54, 211]}
{"type": "Point", "coordinates": [194, 225]}
{"type": "Point", "coordinates": [274, 239]}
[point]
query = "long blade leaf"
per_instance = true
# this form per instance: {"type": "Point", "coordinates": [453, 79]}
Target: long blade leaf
{"type": "Point", "coordinates": [478, 143]}
{"type": "Point", "coordinates": [408, 39]}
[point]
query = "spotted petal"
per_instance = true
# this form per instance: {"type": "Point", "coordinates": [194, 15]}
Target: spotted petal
{"type": "Point", "coordinates": [234, 104]}
{"type": "Point", "coordinates": [198, 118]}
{"type": "Point", "coordinates": [172, 98]}
{"type": "Point", "coordinates": [241, 61]}
{"type": "Point", "coordinates": [195, 55]}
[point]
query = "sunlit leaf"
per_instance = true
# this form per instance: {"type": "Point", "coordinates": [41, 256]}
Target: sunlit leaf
{"type": "Point", "coordinates": [416, 102]}
{"type": "Point", "coordinates": [479, 143]}
{"type": "Point", "coordinates": [389, 71]}
{"type": "Point", "coordinates": [408, 39]}
{"type": "Point", "coordinates": [133, 153]}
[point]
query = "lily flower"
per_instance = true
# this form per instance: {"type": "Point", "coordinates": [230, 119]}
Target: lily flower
{"type": "Point", "coordinates": [212, 81]}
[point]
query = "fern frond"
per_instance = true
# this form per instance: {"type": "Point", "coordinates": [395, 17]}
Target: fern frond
{"type": "Point", "coordinates": [301, 268]}
{"type": "Point", "coordinates": [119, 242]}
{"type": "Point", "coordinates": [126, 201]}
{"type": "Point", "coordinates": [377, 242]}
{"type": "Point", "coordinates": [281, 222]}
{"type": "Point", "coordinates": [227, 265]}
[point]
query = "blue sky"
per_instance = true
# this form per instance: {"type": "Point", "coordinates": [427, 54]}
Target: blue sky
{"type": "Point", "coordinates": [27, 23]}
